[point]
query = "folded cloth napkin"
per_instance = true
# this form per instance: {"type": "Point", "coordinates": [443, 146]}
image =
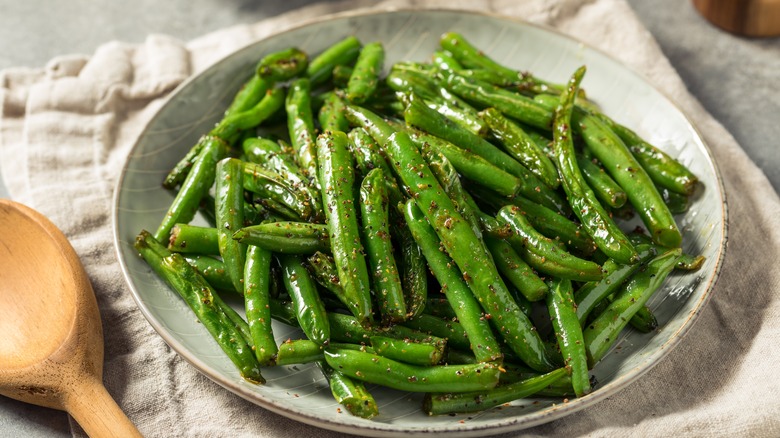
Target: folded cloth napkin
{"type": "Point", "coordinates": [65, 131]}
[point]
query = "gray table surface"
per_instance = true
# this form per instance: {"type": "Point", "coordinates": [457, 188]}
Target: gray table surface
{"type": "Point", "coordinates": [734, 78]}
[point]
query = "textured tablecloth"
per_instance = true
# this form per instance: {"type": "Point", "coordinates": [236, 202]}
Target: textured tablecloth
{"type": "Point", "coordinates": [65, 131]}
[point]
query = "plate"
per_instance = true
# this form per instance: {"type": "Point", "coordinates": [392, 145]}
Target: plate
{"type": "Point", "coordinates": [300, 392]}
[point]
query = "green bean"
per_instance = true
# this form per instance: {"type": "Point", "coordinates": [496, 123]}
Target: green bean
{"type": "Point", "coordinates": [337, 180]}
{"type": "Point", "coordinates": [545, 220]}
{"type": "Point", "coordinates": [341, 75]}
{"type": "Point", "coordinates": [644, 320]}
{"type": "Point", "coordinates": [266, 151]}
{"type": "Point", "coordinates": [393, 374]}
{"type": "Point", "coordinates": [514, 269]}
{"type": "Point", "coordinates": [286, 237]}
{"type": "Point", "coordinates": [271, 186]}
{"type": "Point", "coordinates": [212, 270]}
{"type": "Point", "coordinates": [440, 306]}
{"type": "Point", "coordinates": [509, 103]}
{"type": "Point", "coordinates": [257, 283]}
{"type": "Point", "coordinates": [379, 249]}
{"type": "Point", "coordinates": [664, 170]}
{"type": "Point", "coordinates": [230, 316]}
{"type": "Point", "coordinates": [229, 128]}
{"type": "Point", "coordinates": [414, 271]}
{"type": "Point", "coordinates": [199, 296]}
{"type": "Point", "coordinates": [688, 262]}
{"type": "Point", "coordinates": [521, 146]}
{"type": "Point", "coordinates": [466, 250]}
{"type": "Point", "coordinates": [560, 303]}
{"type": "Point", "coordinates": [471, 57]}
{"type": "Point", "coordinates": [365, 75]}
{"type": "Point", "coordinates": [367, 157]}
{"type": "Point", "coordinates": [451, 332]}
{"type": "Point", "coordinates": [249, 94]}
{"type": "Point", "coordinates": [556, 262]}
{"type": "Point", "coordinates": [351, 394]}
{"type": "Point", "coordinates": [470, 165]}
{"type": "Point", "coordinates": [303, 291]}
{"type": "Point", "coordinates": [603, 186]}
{"type": "Point", "coordinates": [423, 118]}
{"type": "Point", "coordinates": [444, 60]}
{"type": "Point", "coordinates": [299, 351]}
{"type": "Point", "coordinates": [343, 52]}
{"type": "Point", "coordinates": [229, 208]}
{"type": "Point", "coordinates": [408, 351]}
{"type": "Point", "coordinates": [450, 403]}
{"type": "Point", "coordinates": [677, 203]}
{"type": "Point", "coordinates": [197, 183]}
{"type": "Point", "coordinates": [596, 221]}
{"type": "Point", "coordinates": [626, 170]}
{"type": "Point", "coordinates": [193, 239]}
{"type": "Point", "coordinates": [300, 125]}
{"type": "Point", "coordinates": [602, 333]}
{"type": "Point", "coordinates": [282, 65]}
{"type": "Point", "coordinates": [615, 274]}
{"type": "Point", "coordinates": [331, 115]}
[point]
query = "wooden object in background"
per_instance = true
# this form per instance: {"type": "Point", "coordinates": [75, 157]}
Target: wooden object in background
{"type": "Point", "coordinates": [756, 18]}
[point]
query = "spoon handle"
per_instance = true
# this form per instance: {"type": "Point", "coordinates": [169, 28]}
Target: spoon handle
{"type": "Point", "coordinates": [96, 412]}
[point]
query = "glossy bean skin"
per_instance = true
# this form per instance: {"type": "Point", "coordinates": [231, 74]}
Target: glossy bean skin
{"type": "Point", "coordinates": [556, 261]}
{"type": "Point", "coordinates": [302, 289]}
{"type": "Point", "coordinates": [286, 237]}
{"type": "Point", "coordinates": [365, 75]}
{"type": "Point", "coordinates": [466, 250]}
{"type": "Point", "coordinates": [393, 374]}
{"type": "Point", "coordinates": [451, 403]}
{"type": "Point", "coordinates": [602, 333]}
{"type": "Point", "coordinates": [568, 332]}
{"type": "Point", "coordinates": [257, 284]}
{"type": "Point", "coordinates": [596, 221]}
{"type": "Point", "coordinates": [337, 179]}
{"type": "Point", "coordinates": [229, 207]}
{"type": "Point", "coordinates": [379, 248]}
{"type": "Point", "coordinates": [202, 300]}
{"type": "Point", "coordinates": [350, 393]}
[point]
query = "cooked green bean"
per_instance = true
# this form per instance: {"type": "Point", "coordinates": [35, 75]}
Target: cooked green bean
{"type": "Point", "coordinates": [515, 269]}
{"type": "Point", "coordinates": [229, 208]}
{"type": "Point", "coordinates": [344, 52]}
{"type": "Point", "coordinates": [603, 186]}
{"type": "Point", "coordinates": [393, 374]}
{"type": "Point", "coordinates": [199, 296]}
{"type": "Point", "coordinates": [337, 180]}
{"type": "Point", "coordinates": [282, 65]}
{"type": "Point", "coordinates": [521, 146]}
{"type": "Point", "coordinates": [560, 304]}
{"type": "Point", "coordinates": [212, 270]}
{"type": "Point", "coordinates": [451, 403]}
{"type": "Point", "coordinates": [365, 75]}
{"type": "Point", "coordinates": [257, 283]}
{"type": "Point", "coordinates": [408, 351]}
{"type": "Point", "coordinates": [186, 238]}
{"type": "Point", "coordinates": [286, 237]}
{"type": "Point", "coordinates": [602, 333]}
{"type": "Point", "coordinates": [596, 221]}
{"type": "Point", "coordinates": [302, 289]}
{"type": "Point", "coordinates": [379, 248]}
{"type": "Point", "coordinates": [466, 250]}
{"type": "Point", "coordinates": [197, 183]}
{"type": "Point", "coordinates": [556, 262]}
{"type": "Point", "coordinates": [351, 394]}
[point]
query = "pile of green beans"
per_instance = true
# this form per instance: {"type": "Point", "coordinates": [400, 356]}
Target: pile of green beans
{"type": "Point", "coordinates": [413, 220]}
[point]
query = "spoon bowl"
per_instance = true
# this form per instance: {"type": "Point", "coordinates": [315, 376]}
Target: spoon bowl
{"type": "Point", "coordinates": [51, 339]}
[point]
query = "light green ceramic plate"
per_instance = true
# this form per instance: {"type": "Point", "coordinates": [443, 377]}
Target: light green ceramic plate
{"type": "Point", "coordinates": [300, 392]}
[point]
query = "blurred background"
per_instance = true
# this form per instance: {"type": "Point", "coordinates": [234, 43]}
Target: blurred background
{"type": "Point", "coordinates": [735, 79]}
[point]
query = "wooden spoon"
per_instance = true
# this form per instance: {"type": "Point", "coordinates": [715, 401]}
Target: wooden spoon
{"type": "Point", "coordinates": [51, 339]}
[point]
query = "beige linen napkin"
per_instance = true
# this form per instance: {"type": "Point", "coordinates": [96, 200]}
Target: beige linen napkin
{"type": "Point", "coordinates": [65, 131]}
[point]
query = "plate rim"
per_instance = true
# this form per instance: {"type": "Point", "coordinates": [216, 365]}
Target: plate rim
{"type": "Point", "coordinates": [556, 411]}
